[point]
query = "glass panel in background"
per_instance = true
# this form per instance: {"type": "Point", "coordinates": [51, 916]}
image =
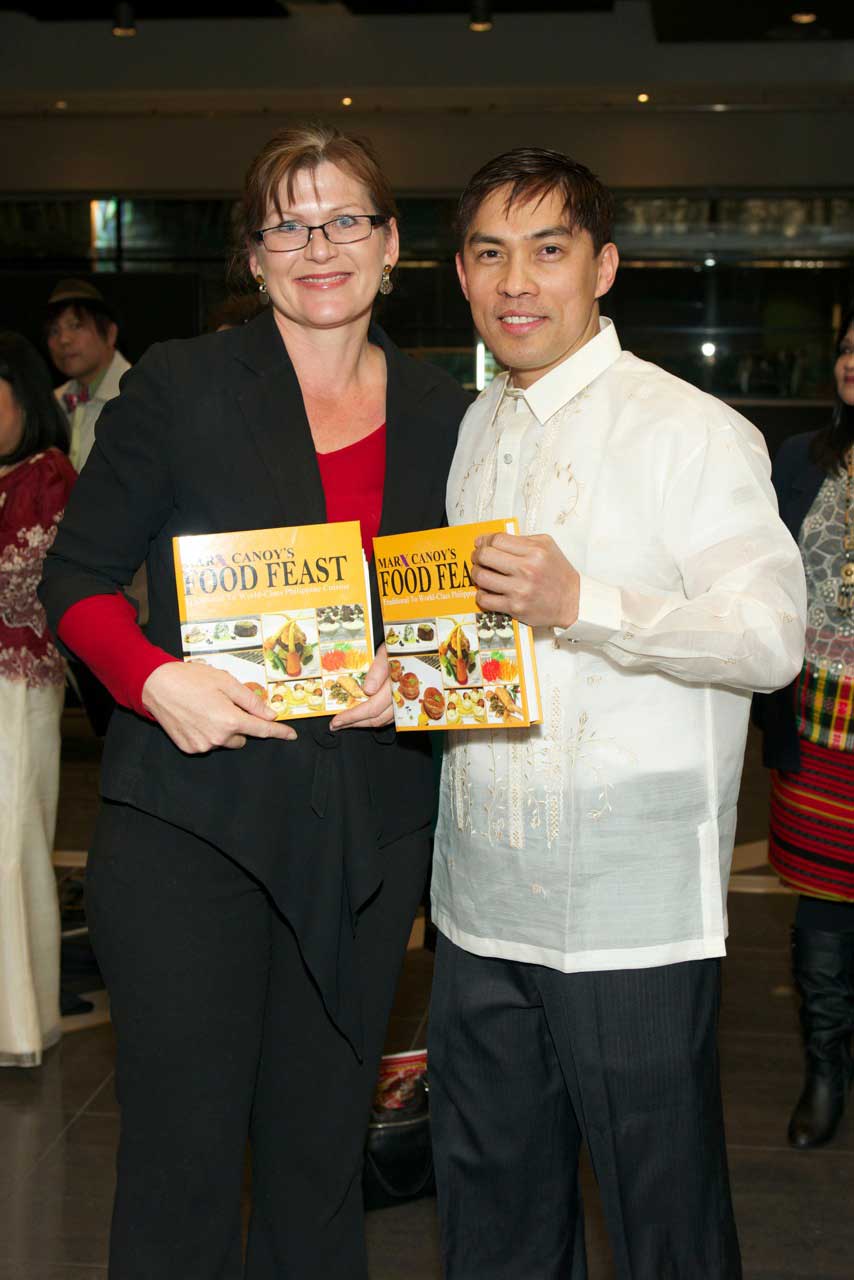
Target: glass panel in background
{"type": "Point", "coordinates": [427, 227]}
{"type": "Point", "coordinates": [59, 230]}
{"type": "Point", "coordinates": [736, 292]}
{"type": "Point", "coordinates": [177, 229]}
{"type": "Point", "coordinates": [103, 231]}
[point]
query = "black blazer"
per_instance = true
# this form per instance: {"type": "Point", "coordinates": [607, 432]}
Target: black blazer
{"type": "Point", "coordinates": [210, 435]}
{"type": "Point", "coordinates": [797, 480]}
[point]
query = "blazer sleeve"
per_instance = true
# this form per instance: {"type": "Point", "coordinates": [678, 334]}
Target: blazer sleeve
{"type": "Point", "coordinates": [123, 497]}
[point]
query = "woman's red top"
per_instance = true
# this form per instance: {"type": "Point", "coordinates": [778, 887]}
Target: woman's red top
{"type": "Point", "coordinates": [353, 481]}
{"type": "Point", "coordinates": [103, 632]}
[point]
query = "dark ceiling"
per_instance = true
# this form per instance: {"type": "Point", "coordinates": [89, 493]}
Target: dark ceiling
{"type": "Point", "coordinates": [686, 20]}
{"type": "Point", "coordinates": [675, 20]}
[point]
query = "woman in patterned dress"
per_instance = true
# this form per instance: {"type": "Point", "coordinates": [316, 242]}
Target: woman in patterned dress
{"type": "Point", "coordinates": [35, 480]}
{"type": "Point", "coordinates": [809, 745]}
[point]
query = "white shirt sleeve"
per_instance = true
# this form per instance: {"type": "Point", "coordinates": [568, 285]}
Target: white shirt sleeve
{"type": "Point", "coordinates": [739, 618]}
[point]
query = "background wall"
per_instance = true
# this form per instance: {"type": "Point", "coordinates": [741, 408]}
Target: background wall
{"type": "Point", "coordinates": [182, 106]}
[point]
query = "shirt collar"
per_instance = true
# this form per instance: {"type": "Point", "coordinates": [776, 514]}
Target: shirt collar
{"type": "Point", "coordinates": [557, 387]}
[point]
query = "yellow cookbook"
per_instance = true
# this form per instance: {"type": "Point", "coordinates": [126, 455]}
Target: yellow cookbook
{"type": "Point", "coordinates": [452, 665]}
{"type": "Point", "coordinates": [287, 612]}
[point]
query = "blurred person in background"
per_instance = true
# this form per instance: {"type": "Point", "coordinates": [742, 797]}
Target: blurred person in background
{"type": "Point", "coordinates": [35, 481]}
{"type": "Point", "coordinates": [81, 334]}
{"type": "Point", "coordinates": [809, 746]}
{"type": "Point", "coordinates": [251, 889]}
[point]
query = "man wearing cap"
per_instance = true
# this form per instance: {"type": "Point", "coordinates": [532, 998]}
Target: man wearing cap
{"type": "Point", "coordinates": [81, 337]}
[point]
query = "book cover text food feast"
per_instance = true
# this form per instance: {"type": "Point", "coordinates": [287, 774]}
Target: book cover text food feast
{"type": "Point", "coordinates": [285, 611]}
{"type": "Point", "coordinates": [452, 666]}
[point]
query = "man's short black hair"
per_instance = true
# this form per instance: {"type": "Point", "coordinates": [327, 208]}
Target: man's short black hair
{"type": "Point", "coordinates": [532, 173]}
{"type": "Point", "coordinates": [45, 424]}
{"type": "Point", "coordinates": [99, 313]}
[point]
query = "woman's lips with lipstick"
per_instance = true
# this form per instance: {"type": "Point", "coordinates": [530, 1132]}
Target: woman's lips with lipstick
{"type": "Point", "coordinates": [520, 322]}
{"type": "Point", "coordinates": [331, 280]}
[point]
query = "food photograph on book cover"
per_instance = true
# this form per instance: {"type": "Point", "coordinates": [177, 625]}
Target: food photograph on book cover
{"type": "Point", "coordinates": [327, 643]}
{"type": "Point", "coordinates": [246, 665]}
{"type": "Point", "coordinates": [309, 662]}
{"type": "Point", "coordinates": [412, 637]}
{"type": "Point", "coordinates": [291, 646]}
{"type": "Point", "coordinates": [233, 633]}
{"type": "Point", "coordinates": [465, 681]}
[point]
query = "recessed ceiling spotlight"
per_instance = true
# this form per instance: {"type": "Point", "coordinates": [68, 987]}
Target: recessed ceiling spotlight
{"type": "Point", "coordinates": [643, 97]}
{"type": "Point", "coordinates": [804, 19]}
{"type": "Point", "coordinates": [480, 18]}
{"type": "Point", "coordinates": [346, 102]}
{"type": "Point", "coordinates": [708, 349]}
{"type": "Point", "coordinates": [124, 24]}
{"type": "Point", "coordinates": [710, 262]}
{"type": "Point", "coordinates": [61, 105]}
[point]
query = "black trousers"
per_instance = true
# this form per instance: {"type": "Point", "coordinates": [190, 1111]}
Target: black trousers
{"type": "Point", "coordinates": [221, 1036]}
{"type": "Point", "coordinates": [524, 1062]}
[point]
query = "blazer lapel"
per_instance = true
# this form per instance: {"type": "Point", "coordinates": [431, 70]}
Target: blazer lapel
{"type": "Point", "coordinates": [272, 406]}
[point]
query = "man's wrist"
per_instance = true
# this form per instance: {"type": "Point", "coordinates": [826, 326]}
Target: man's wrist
{"type": "Point", "coordinates": [599, 613]}
{"type": "Point", "coordinates": [568, 613]}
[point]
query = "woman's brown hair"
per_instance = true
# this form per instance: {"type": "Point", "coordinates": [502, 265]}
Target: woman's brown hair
{"type": "Point", "coordinates": [295, 151]}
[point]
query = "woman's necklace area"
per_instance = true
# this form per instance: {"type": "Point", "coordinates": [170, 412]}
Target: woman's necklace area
{"type": "Point", "coordinates": [845, 593]}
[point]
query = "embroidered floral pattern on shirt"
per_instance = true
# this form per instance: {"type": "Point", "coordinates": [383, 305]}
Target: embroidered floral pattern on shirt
{"type": "Point", "coordinates": [20, 571]}
{"type": "Point", "coordinates": [20, 610]}
{"type": "Point", "coordinates": [585, 746]}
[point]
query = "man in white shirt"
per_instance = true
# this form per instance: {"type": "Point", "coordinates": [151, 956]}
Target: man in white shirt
{"type": "Point", "coordinates": [81, 332]}
{"type": "Point", "coordinates": [581, 866]}
{"type": "Point", "coordinates": [81, 337]}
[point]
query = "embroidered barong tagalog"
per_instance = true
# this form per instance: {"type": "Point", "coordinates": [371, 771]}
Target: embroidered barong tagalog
{"type": "Point", "coordinates": [602, 837]}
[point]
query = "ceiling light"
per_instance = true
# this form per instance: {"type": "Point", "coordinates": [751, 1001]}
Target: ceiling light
{"type": "Point", "coordinates": [803, 19]}
{"type": "Point", "coordinates": [61, 105]}
{"type": "Point", "coordinates": [708, 349]}
{"type": "Point", "coordinates": [720, 106]}
{"type": "Point", "coordinates": [124, 25]}
{"type": "Point", "coordinates": [481, 16]}
{"type": "Point", "coordinates": [710, 262]}
{"type": "Point", "coordinates": [643, 97]}
{"type": "Point", "coordinates": [346, 102]}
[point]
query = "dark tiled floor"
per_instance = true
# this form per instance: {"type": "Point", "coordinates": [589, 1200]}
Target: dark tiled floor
{"type": "Point", "coordinates": [59, 1124]}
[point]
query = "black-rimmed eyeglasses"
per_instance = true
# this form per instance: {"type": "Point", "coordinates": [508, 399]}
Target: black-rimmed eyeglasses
{"type": "Point", "coordinates": [345, 229]}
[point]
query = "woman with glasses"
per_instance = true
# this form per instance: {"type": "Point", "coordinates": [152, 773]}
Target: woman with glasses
{"type": "Point", "coordinates": [251, 887]}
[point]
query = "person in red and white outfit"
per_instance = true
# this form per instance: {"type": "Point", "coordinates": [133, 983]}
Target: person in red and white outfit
{"type": "Point", "coordinates": [35, 481]}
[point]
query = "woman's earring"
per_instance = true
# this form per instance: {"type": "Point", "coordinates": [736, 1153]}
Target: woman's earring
{"type": "Point", "coordinates": [386, 285]}
{"type": "Point", "coordinates": [262, 285]}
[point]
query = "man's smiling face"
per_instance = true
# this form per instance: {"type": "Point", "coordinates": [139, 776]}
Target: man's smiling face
{"type": "Point", "coordinates": [532, 282]}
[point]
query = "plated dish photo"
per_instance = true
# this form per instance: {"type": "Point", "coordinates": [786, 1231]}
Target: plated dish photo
{"type": "Point", "coordinates": [291, 646]}
{"type": "Point", "coordinates": [458, 652]}
{"type": "Point", "coordinates": [418, 636]}
{"type": "Point", "coordinates": [231, 633]}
